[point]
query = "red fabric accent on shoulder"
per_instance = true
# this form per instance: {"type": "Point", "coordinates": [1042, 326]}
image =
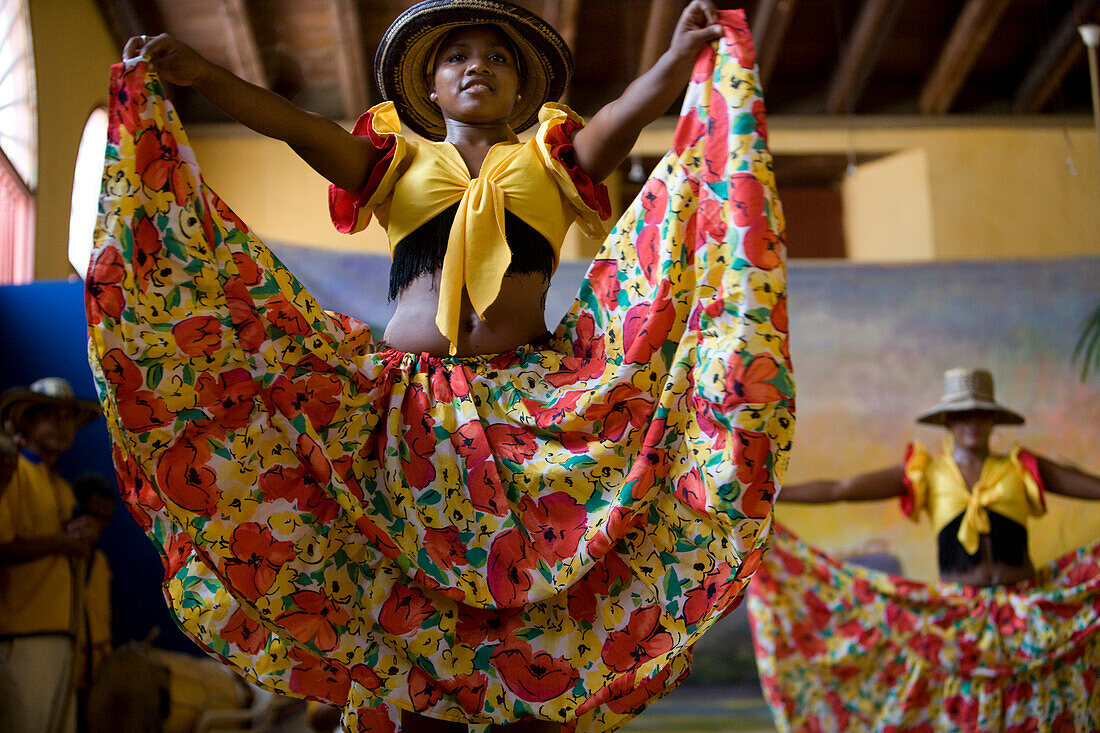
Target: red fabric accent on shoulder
{"type": "Point", "coordinates": [560, 140]}
{"type": "Point", "coordinates": [1031, 464]}
{"type": "Point", "coordinates": [907, 501]}
{"type": "Point", "coordinates": [343, 206]}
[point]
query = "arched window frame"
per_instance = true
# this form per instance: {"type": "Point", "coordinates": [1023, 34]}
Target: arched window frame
{"type": "Point", "coordinates": [18, 143]}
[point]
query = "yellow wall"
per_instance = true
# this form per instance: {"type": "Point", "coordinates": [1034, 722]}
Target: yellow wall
{"type": "Point", "coordinates": [72, 51]}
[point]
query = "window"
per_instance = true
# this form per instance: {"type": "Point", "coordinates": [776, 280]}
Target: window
{"type": "Point", "coordinates": [18, 143]}
{"type": "Point", "coordinates": [86, 184]}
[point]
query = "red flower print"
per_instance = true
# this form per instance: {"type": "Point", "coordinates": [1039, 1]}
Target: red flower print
{"type": "Point", "coordinates": [589, 356]}
{"type": "Point", "coordinates": [375, 720]}
{"type": "Point", "coordinates": [648, 246]}
{"type": "Point", "coordinates": [654, 198]}
{"type": "Point", "coordinates": [514, 443]}
{"type": "Point", "coordinates": [511, 559]}
{"type": "Point", "coordinates": [315, 619]}
{"type": "Point", "coordinates": [689, 130]}
{"type": "Point", "coordinates": [647, 326]}
{"type": "Point", "coordinates": [751, 383]}
{"type": "Point", "coordinates": [751, 451]}
{"type": "Point", "coordinates": [127, 101]}
{"type": "Point", "coordinates": [318, 677]}
{"type": "Point", "coordinates": [757, 499]}
{"type": "Point", "coordinates": [962, 711]}
{"type": "Point", "coordinates": [419, 438]}
{"type": "Point", "coordinates": [713, 592]}
{"type": "Point", "coordinates": [248, 635]}
{"type": "Point", "coordinates": [424, 690]}
{"type": "Point", "coordinates": [248, 270]}
{"type": "Point", "coordinates": [285, 316]}
{"type": "Point", "coordinates": [747, 199]}
{"type": "Point", "coordinates": [478, 625]}
{"type": "Point", "coordinates": [641, 639]}
{"type": "Point", "coordinates": [468, 691]}
{"type": "Point", "coordinates": [533, 676]}
{"type": "Point", "coordinates": [317, 396]}
{"type": "Point", "coordinates": [928, 645]}
{"type": "Point", "coordinates": [633, 700]}
{"type": "Point", "coordinates": [102, 294]}
{"type": "Point", "coordinates": [157, 160]}
{"type": "Point", "coordinates": [444, 547]}
{"type": "Point", "coordinates": [257, 558]}
{"type": "Point", "coordinates": [471, 442]}
{"type": "Point", "coordinates": [229, 217]}
{"type": "Point", "coordinates": [710, 227]}
{"type": "Point", "coordinates": [623, 408]}
{"type": "Point", "coordinates": [404, 610]}
{"type": "Point", "coordinates": [313, 456]}
{"type": "Point", "coordinates": [365, 677]}
{"type": "Point", "coordinates": [555, 525]}
{"type": "Point", "coordinates": [763, 247]}
{"type": "Point", "coordinates": [901, 619]}
{"type": "Point", "coordinates": [607, 573]}
{"type": "Point", "coordinates": [717, 145]}
{"type": "Point", "coordinates": [242, 310]}
{"type": "Point", "coordinates": [690, 489]}
{"type": "Point", "coordinates": [806, 639]}
{"type": "Point", "coordinates": [176, 552]}
{"type": "Point", "coordinates": [486, 490]}
{"type": "Point", "coordinates": [198, 336]}
{"type": "Point", "coordinates": [183, 475]}
{"type": "Point", "coordinates": [142, 410]}
{"type": "Point", "coordinates": [603, 278]}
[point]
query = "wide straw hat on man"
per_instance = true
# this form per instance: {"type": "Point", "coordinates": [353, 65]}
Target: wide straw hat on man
{"type": "Point", "coordinates": [17, 402]}
{"type": "Point", "coordinates": [969, 390]}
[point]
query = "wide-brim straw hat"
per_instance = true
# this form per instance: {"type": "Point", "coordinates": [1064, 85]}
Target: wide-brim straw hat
{"type": "Point", "coordinates": [969, 390]}
{"type": "Point", "coordinates": [53, 391]}
{"type": "Point", "coordinates": [408, 48]}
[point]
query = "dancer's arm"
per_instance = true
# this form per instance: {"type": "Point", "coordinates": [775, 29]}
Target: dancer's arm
{"type": "Point", "coordinates": [344, 159]}
{"type": "Point", "coordinates": [1059, 479]}
{"type": "Point", "coordinates": [610, 135]}
{"type": "Point", "coordinates": [884, 484]}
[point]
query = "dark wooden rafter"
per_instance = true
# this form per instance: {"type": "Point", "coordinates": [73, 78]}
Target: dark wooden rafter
{"type": "Point", "coordinates": [122, 20]}
{"type": "Point", "coordinates": [660, 23]}
{"type": "Point", "coordinates": [1055, 60]}
{"type": "Point", "coordinates": [562, 14]}
{"type": "Point", "coordinates": [876, 21]}
{"type": "Point", "coordinates": [247, 61]}
{"type": "Point", "coordinates": [769, 28]}
{"type": "Point", "coordinates": [969, 37]}
{"type": "Point", "coordinates": [349, 57]}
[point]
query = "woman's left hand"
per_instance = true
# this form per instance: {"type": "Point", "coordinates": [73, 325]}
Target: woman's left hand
{"type": "Point", "coordinates": [698, 25]}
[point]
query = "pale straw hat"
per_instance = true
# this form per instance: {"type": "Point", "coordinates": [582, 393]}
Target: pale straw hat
{"type": "Point", "coordinates": [969, 390]}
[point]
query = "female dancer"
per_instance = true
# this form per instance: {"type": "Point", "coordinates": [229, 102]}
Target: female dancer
{"type": "Point", "coordinates": [473, 521]}
{"type": "Point", "coordinates": [987, 648]}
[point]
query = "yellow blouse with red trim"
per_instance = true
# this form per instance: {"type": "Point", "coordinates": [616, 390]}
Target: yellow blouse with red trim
{"type": "Point", "coordinates": [1009, 485]}
{"type": "Point", "coordinates": [537, 180]}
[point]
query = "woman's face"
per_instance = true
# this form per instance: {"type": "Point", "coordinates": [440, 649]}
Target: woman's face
{"type": "Point", "coordinates": [476, 77]}
{"type": "Point", "coordinates": [971, 429]}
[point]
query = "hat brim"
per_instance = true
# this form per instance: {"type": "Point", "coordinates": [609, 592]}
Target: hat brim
{"type": "Point", "coordinates": [1001, 414]}
{"type": "Point", "coordinates": [15, 402]}
{"type": "Point", "coordinates": [404, 53]}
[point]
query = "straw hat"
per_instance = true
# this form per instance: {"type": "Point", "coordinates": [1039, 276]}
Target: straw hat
{"type": "Point", "coordinates": [15, 402]}
{"type": "Point", "coordinates": [966, 390]}
{"type": "Point", "coordinates": [407, 52]}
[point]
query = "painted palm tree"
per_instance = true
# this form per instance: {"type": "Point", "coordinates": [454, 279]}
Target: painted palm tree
{"type": "Point", "coordinates": [1087, 351]}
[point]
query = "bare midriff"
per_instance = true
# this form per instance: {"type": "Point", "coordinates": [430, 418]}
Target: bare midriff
{"type": "Point", "coordinates": [989, 572]}
{"type": "Point", "coordinates": [515, 318]}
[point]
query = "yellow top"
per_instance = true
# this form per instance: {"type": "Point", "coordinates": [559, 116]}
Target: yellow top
{"type": "Point", "coordinates": [424, 178]}
{"type": "Point", "coordinates": [1005, 486]}
{"type": "Point", "coordinates": [35, 596]}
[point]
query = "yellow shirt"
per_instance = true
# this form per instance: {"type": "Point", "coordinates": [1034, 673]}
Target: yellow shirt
{"type": "Point", "coordinates": [1005, 485]}
{"type": "Point", "coordinates": [35, 596]}
{"type": "Point", "coordinates": [424, 178]}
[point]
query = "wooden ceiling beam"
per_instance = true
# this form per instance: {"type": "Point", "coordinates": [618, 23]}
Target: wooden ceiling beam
{"type": "Point", "coordinates": [874, 25]}
{"type": "Point", "coordinates": [973, 29]}
{"type": "Point", "coordinates": [349, 57]}
{"type": "Point", "coordinates": [1054, 61]}
{"type": "Point", "coordinates": [563, 14]}
{"type": "Point", "coordinates": [663, 15]}
{"type": "Point", "coordinates": [241, 42]}
{"type": "Point", "coordinates": [769, 28]}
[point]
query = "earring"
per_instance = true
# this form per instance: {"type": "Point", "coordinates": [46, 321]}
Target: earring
{"type": "Point", "coordinates": [433, 96]}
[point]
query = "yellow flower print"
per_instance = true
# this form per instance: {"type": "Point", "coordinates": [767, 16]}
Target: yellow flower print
{"type": "Point", "coordinates": [286, 525]}
{"type": "Point", "coordinates": [221, 605]}
{"type": "Point", "coordinates": [157, 344]}
{"type": "Point", "coordinates": [459, 658]}
{"type": "Point", "coordinates": [274, 661]}
{"type": "Point", "coordinates": [238, 502]}
{"type": "Point", "coordinates": [611, 615]}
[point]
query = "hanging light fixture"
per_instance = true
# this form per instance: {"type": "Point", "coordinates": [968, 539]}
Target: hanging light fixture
{"type": "Point", "coordinates": [1090, 34]}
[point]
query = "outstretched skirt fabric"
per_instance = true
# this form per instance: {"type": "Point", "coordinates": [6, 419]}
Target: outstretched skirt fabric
{"type": "Point", "coordinates": [544, 532]}
{"type": "Point", "coordinates": [841, 647]}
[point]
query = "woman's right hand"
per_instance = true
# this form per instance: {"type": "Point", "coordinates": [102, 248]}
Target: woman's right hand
{"type": "Point", "coordinates": [175, 61]}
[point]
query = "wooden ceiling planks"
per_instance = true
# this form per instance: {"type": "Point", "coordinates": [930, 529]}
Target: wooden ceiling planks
{"type": "Point", "coordinates": [968, 39]}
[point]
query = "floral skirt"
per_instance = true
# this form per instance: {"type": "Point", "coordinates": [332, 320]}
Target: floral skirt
{"type": "Point", "coordinates": [841, 647]}
{"type": "Point", "coordinates": [539, 533]}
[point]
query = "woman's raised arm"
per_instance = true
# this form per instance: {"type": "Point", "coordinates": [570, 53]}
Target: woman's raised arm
{"type": "Point", "coordinates": [342, 158]}
{"type": "Point", "coordinates": [884, 484]}
{"type": "Point", "coordinates": [1059, 479]}
{"type": "Point", "coordinates": [609, 137]}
